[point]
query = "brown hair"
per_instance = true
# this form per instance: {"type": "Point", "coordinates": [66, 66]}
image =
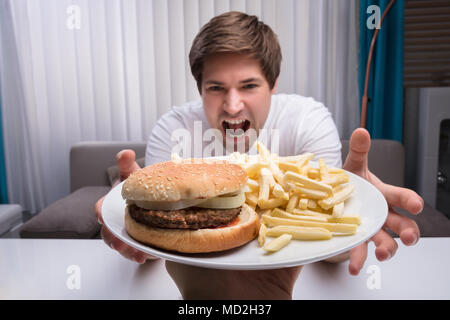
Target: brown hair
{"type": "Point", "coordinates": [239, 33]}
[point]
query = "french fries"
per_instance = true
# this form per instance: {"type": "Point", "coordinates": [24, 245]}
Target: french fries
{"type": "Point", "coordinates": [309, 192]}
{"type": "Point", "coordinates": [337, 198]}
{"type": "Point", "coordinates": [278, 192]}
{"type": "Point", "coordinates": [296, 200]}
{"type": "Point", "coordinates": [262, 235]}
{"type": "Point", "coordinates": [254, 168]}
{"type": "Point", "coordinates": [338, 210]}
{"type": "Point", "coordinates": [307, 182]}
{"type": "Point", "coordinates": [271, 203]}
{"type": "Point", "coordinates": [253, 185]}
{"type": "Point", "coordinates": [303, 203]}
{"type": "Point", "coordinates": [332, 227]}
{"type": "Point", "coordinates": [283, 214]}
{"type": "Point", "coordinates": [300, 233]}
{"type": "Point", "coordinates": [278, 243]}
{"type": "Point", "coordinates": [292, 204]}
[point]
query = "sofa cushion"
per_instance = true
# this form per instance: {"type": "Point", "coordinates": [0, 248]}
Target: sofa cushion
{"type": "Point", "coordinates": [71, 217]}
{"type": "Point", "coordinates": [113, 171]}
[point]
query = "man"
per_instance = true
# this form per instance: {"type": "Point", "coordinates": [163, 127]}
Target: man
{"type": "Point", "coordinates": [235, 60]}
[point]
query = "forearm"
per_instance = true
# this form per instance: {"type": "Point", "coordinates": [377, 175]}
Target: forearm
{"type": "Point", "coordinates": [202, 283]}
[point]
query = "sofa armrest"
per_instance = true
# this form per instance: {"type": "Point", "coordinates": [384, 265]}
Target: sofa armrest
{"type": "Point", "coordinates": [90, 160]}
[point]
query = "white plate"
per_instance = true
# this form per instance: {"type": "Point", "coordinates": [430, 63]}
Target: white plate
{"type": "Point", "coordinates": [366, 201]}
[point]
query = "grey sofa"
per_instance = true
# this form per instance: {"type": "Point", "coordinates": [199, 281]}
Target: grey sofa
{"type": "Point", "coordinates": [92, 167]}
{"type": "Point", "coordinates": [92, 171]}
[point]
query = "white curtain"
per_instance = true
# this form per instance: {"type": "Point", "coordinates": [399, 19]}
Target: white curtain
{"type": "Point", "coordinates": [77, 70]}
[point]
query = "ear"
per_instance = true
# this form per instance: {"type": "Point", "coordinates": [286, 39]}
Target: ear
{"type": "Point", "coordinates": [275, 87]}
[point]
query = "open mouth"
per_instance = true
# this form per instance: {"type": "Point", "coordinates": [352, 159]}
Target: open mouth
{"type": "Point", "coordinates": [235, 128]}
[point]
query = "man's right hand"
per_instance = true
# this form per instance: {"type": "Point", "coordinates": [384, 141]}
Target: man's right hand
{"type": "Point", "coordinates": [126, 161]}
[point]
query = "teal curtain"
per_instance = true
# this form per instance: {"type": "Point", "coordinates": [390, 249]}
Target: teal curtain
{"type": "Point", "coordinates": [385, 92]}
{"type": "Point", "coordinates": [3, 186]}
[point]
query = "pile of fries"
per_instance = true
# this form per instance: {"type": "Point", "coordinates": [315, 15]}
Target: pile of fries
{"type": "Point", "coordinates": [296, 200]}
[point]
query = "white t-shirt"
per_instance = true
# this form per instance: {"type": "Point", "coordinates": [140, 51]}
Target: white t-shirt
{"type": "Point", "coordinates": [302, 125]}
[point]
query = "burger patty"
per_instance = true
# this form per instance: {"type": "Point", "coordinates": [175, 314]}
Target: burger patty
{"type": "Point", "coordinates": [189, 218]}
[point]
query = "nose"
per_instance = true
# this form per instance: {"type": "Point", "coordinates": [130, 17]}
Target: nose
{"type": "Point", "coordinates": [233, 103]}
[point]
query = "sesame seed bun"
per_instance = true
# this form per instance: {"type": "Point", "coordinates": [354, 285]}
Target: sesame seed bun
{"type": "Point", "coordinates": [200, 240]}
{"type": "Point", "coordinates": [184, 180]}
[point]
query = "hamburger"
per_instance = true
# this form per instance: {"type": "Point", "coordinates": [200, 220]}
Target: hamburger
{"type": "Point", "coordinates": [189, 206]}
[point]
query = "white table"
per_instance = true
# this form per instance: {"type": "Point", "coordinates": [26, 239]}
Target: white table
{"type": "Point", "coordinates": [88, 269]}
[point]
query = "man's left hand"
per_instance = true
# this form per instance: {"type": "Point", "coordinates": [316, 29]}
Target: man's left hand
{"type": "Point", "coordinates": [407, 229]}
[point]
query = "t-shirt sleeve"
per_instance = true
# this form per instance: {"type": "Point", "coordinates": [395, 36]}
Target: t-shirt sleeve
{"type": "Point", "coordinates": [160, 143]}
{"type": "Point", "coordinates": [317, 133]}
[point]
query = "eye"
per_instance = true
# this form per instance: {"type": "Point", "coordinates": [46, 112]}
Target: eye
{"type": "Point", "coordinates": [250, 86]}
{"type": "Point", "coordinates": [215, 88]}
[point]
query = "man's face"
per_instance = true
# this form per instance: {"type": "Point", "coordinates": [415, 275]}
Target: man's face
{"type": "Point", "coordinates": [236, 96]}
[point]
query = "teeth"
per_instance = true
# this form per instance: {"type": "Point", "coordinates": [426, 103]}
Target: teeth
{"type": "Point", "coordinates": [234, 121]}
{"type": "Point", "coordinates": [235, 133]}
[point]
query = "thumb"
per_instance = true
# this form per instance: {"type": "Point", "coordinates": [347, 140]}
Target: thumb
{"type": "Point", "coordinates": [126, 161]}
{"type": "Point", "coordinates": [357, 158]}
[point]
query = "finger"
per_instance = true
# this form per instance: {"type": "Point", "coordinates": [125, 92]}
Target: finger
{"type": "Point", "coordinates": [406, 228]}
{"type": "Point", "coordinates": [112, 241]}
{"type": "Point", "coordinates": [107, 236]}
{"type": "Point", "coordinates": [358, 256]}
{"type": "Point", "coordinates": [126, 161]}
{"type": "Point", "coordinates": [125, 250]}
{"type": "Point", "coordinates": [386, 246]}
{"type": "Point", "coordinates": [98, 209]}
{"type": "Point", "coordinates": [402, 198]}
{"type": "Point", "coordinates": [131, 253]}
{"type": "Point", "coordinates": [142, 257]}
{"type": "Point", "coordinates": [359, 147]}
{"type": "Point", "coordinates": [121, 247]}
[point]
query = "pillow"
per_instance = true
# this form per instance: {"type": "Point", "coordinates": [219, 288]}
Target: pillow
{"type": "Point", "coordinates": [113, 171]}
{"type": "Point", "coordinates": [72, 217]}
